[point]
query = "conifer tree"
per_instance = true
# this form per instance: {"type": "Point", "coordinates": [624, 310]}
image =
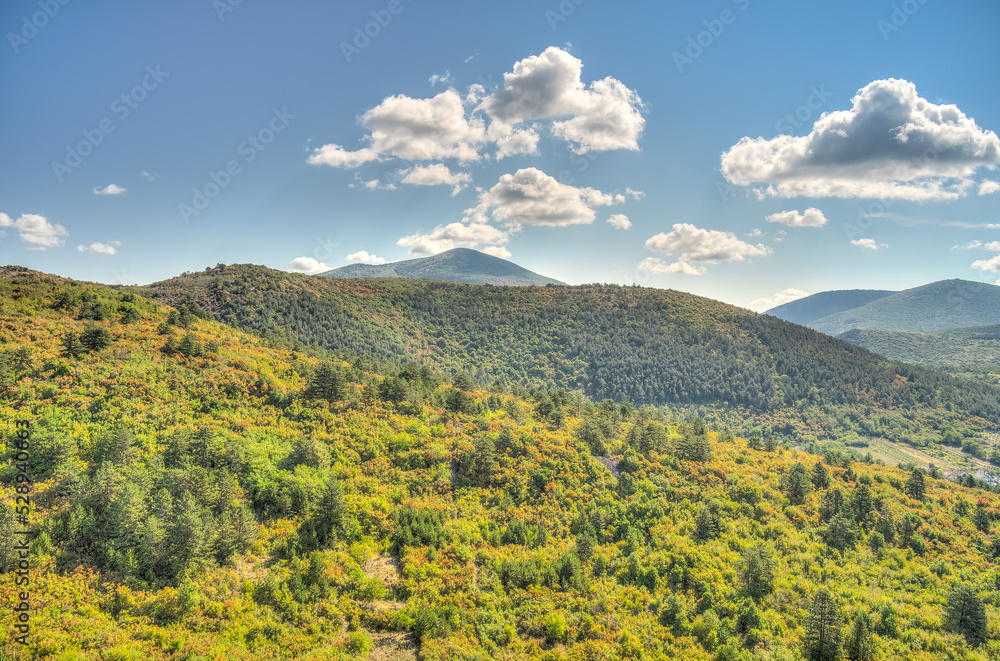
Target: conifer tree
{"type": "Point", "coordinates": [965, 614]}
{"type": "Point", "coordinates": [823, 637]}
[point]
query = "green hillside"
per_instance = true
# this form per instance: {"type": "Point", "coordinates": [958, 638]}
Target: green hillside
{"type": "Point", "coordinates": [806, 310]}
{"type": "Point", "coordinates": [198, 494]}
{"type": "Point", "coordinates": [937, 306]}
{"type": "Point", "coordinates": [645, 346]}
{"type": "Point", "coordinates": [456, 265]}
{"type": "Point", "coordinates": [955, 350]}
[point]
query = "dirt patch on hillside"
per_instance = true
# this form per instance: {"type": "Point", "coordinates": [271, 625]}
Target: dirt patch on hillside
{"type": "Point", "coordinates": [384, 567]}
{"type": "Point", "coordinates": [393, 647]}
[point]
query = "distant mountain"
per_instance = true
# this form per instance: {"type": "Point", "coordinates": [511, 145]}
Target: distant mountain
{"type": "Point", "coordinates": [457, 265]}
{"type": "Point", "coordinates": [806, 310]}
{"type": "Point", "coordinates": [937, 306]}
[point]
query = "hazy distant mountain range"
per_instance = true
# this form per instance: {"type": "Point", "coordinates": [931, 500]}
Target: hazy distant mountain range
{"type": "Point", "coordinates": [456, 265]}
{"type": "Point", "coordinates": [938, 324]}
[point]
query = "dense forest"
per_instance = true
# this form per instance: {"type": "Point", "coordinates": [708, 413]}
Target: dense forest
{"type": "Point", "coordinates": [644, 346]}
{"type": "Point", "coordinates": [198, 493]}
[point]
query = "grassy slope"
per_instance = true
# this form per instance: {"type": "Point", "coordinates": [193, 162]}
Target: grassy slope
{"type": "Point", "coordinates": [249, 395]}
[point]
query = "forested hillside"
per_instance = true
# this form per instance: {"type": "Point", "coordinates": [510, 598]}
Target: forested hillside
{"type": "Point", "coordinates": [957, 350]}
{"type": "Point", "coordinates": [197, 494]}
{"type": "Point", "coordinates": [811, 308]}
{"type": "Point", "coordinates": [201, 494]}
{"type": "Point", "coordinates": [645, 346]}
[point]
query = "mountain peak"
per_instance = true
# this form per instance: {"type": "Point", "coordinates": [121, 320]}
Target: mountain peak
{"type": "Point", "coordinates": [455, 265]}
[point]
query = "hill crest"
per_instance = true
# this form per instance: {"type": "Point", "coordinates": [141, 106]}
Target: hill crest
{"type": "Point", "coordinates": [455, 265]}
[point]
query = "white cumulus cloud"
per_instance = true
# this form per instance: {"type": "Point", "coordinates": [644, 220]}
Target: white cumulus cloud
{"type": "Point", "coordinates": [443, 78]}
{"type": "Point", "coordinates": [364, 257]}
{"type": "Point", "coordinates": [307, 265]}
{"type": "Point", "coordinates": [868, 244]}
{"type": "Point", "coordinates": [102, 248]}
{"type": "Point", "coordinates": [694, 247]}
{"type": "Point", "coordinates": [497, 251]}
{"type": "Point", "coordinates": [531, 197]}
{"type": "Point", "coordinates": [620, 221]}
{"type": "Point", "coordinates": [891, 144]}
{"type": "Point", "coordinates": [811, 217]}
{"type": "Point", "coordinates": [110, 189]}
{"type": "Point", "coordinates": [36, 231]}
{"type": "Point", "coordinates": [453, 235]}
{"type": "Point", "coordinates": [599, 116]}
{"type": "Point", "coordinates": [435, 174]}
{"type": "Point", "coordinates": [989, 187]}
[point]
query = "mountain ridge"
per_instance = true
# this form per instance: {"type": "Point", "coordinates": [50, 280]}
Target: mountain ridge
{"type": "Point", "coordinates": [455, 265]}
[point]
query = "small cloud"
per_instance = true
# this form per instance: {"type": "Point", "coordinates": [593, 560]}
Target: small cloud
{"type": "Point", "coordinates": [497, 251]}
{"type": "Point", "coordinates": [620, 221]}
{"type": "Point", "coordinates": [868, 244]}
{"type": "Point", "coordinates": [971, 245]}
{"type": "Point", "coordinates": [36, 231]}
{"type": "Point", "coordinates": [102, 248]}
{"type": "Point", "coordinates": [989, 187]}
{"type": "Point", "coordinates": [307, 265]}
{"type": "Point", "coordinates": [364, 257]}
{"type": "Point", "coordinates": [434, 175]}
{"type": "Point", "coordinates": [657, 265]}
{"type": "Point", "coordinates": [150, 176]}
{"type": "Point", "coordinates": [755, 232]}
{"type": "Point", "coordinates": [471, 57]}
{"type": "Point", "coordinates": [636, 194]}
{"type": "Point", "coordinates": [811, 217]}
{"type": "Point", "coordinates": [443, 78]}
{"type": "Point", "coordinates": [110, 189]}
{"type": "Point", "coordinates": [782, 297]}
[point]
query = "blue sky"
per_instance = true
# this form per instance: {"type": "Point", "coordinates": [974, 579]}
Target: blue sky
{"type": "Point", "coordinates": [590, 141]}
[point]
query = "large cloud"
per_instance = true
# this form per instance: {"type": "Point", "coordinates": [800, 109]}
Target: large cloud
{"type": "Point", "coordinates": [601, 116]}
{"type": "Point", "coordinates": [695, 247]}
{"type": "Point", "coordinates": [35, 230]}
{"type": "Point", "coordinates": [413, 130]}
{"type": "Point", "coordinates": [890, 144]}
{"type": "Point", "coordinates": [531, 197]}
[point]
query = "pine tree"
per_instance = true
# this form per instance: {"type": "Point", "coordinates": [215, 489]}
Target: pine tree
{"type": "Point", "coordinates": [328, 383]}
{"type": "Point", "coordinates": [820, 476]}
{"type": "Point", "coordinates": [96, 338]}
{"type": "Point", "coordinates": [71, 347]}
{"type": "Point", "coordinates": [823, 634]}
{"type": "Point", "coordinates": [965, 614]}
{"type": "Point", "coordinates": [758, 570]}
{"type": "Point", "coordinates": [797, 485]}
{"type": "Point", "coordinates": [861, 644]}
{"type": "Point", "coordinates": [915, 485]}
{"type": "Point", "coordinates": [706, 523]}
